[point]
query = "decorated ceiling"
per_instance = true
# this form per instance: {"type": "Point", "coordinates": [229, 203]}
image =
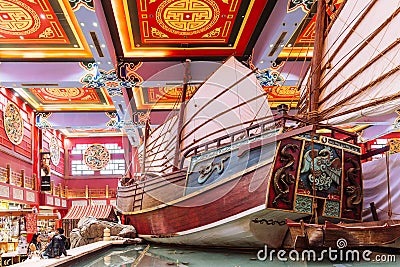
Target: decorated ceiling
{"type": "Point", "coordinates": [176, 29]}
{"type": "Point", "coordinates": [41, 29]}
{"type": "Point", "coordinates": [93, 57]}
{"type": "Point", "coordinates": [59, 99]}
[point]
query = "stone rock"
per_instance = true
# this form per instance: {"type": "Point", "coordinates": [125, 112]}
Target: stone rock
{"type": "Point", "coordinates": [92, 230]}
{"type": "Point", "coordinates": [76, 239]}
{"type": "Point", "coordinates": [129, 232]}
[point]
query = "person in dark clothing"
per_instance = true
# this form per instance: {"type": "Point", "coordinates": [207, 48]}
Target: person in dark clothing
{"type": "Point", "coordinates": [67, 244]}
{"type": "Point", "coordinates": [55, 248]}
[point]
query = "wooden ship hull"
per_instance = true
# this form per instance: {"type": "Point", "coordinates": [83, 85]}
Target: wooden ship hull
{"type": "Point", "coordinates": [251, 187]}
{"type": "Point", "coordinates": [374, 234]}
{"type": "Point", "coordinates": [383, 233]}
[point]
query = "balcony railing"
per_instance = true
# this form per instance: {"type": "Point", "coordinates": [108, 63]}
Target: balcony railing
{"type": "Point", "coordinates": [58, 190]}
{"type": "Point", "coordinates": [20, 179]}
{"type": "Point", "coordinates": [17, 178]}
{"type": "Point", "coordinates": [92, 193]}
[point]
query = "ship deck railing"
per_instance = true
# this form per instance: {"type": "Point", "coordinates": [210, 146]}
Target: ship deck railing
{"type": "Point", "coordinates": [284, 120]}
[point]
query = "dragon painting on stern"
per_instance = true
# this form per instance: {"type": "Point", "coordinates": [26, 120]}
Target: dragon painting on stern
{"type": "Point", "coordinates": [329, 178]}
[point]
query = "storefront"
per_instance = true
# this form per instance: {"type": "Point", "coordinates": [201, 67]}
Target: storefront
{"type": "Point", "coordinates": [12, 224]}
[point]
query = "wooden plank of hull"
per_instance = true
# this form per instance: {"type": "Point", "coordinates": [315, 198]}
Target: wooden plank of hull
{"type": "Point", "coordinates": [151, 193]}
{"type": "Point", "coordinates": [238, 218]}
{"type": "Point", "coordinates": [193, 212]}
{"type": "Point", "coordinates": [363, 234]}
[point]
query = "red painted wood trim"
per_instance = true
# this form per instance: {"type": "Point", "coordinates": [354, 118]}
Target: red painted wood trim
{"type": "Point", "coordinates": [191, 213]}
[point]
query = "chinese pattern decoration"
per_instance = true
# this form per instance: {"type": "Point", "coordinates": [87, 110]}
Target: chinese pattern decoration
{"type": "Point", "coordinates": [96, 157]}
{"type": "Point", "coordinates": [13, 124]}
{"type": "Point", "coordinates": [54, 151]}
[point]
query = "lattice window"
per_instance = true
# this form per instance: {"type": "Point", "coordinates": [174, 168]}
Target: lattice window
{"type": "Point", "coordinates": [115, 166]}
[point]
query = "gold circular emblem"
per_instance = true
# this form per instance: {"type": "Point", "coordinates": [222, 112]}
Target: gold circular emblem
{"type": "Point", "coordinates": [64, 92]}
{"type": "Point", "coordinates": [13, 124]}
{"type": "Point", "coordinates": [187, 17]}
{"type": "Point", "coordinates": [96, 157]}
{"type": "Point", "coordinates": [17, 18]}
{"type": "Point", "coordinates": [54, 150]}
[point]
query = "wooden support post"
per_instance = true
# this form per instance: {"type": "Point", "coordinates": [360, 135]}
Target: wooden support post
{"type": "Point", "coordinates": [22, 178]}
{"type": "Point", "coordinates": [8, 178]}
{"type": "Point", "coordinates": [373, 211]}
{"type": "Point", "coordinates": [52, 187]}
{"type": "Point", "coordinates": [34, 182]}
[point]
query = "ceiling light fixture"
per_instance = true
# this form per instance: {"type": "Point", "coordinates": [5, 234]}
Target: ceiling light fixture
{"type": "Point", "coordinates": [95, 24]}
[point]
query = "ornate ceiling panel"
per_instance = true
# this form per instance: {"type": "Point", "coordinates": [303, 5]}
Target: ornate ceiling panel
{"type": "Point", "coordinates": [178, 29]}
{"type": "Point", "coordinates": [64, 99]}
{"type": "Point", "coordinates": [165, 97]}
{"type": "Point", "coordinates": [301, 43]}
{"type": "Point", "coordinates": [40, 29]}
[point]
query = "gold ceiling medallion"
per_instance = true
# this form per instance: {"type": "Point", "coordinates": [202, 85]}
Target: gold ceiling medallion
{"type": "Point", "coordinates": [13, 124]}
{"type": "Point", "coordinates": [18, 18]}
{"type": "Point", "coordinates": [54, 150]}
{"type": "Point", "coordinates": [187, 17]}
{"type": "Point", "coordinates": [96, 157]}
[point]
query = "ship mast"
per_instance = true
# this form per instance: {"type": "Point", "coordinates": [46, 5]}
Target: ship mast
{"type": "Point", "coordinates": [146, 137]}
{"type": "Point", "coordinates": [186, 79]}
{"type": "Point", "coordinates": [315, 84]}
{"type": "Point", "coordinates": [316, 61]}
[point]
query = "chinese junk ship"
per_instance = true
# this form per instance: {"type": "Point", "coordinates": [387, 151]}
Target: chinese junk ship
{"type": "Point", "coordinates": [233, 178]}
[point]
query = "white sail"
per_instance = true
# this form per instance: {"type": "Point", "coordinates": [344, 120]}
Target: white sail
{"type": "Point", "coordinates": [361, 62]}
{"type": "Point", "coordinates": [160, 147]}
{"type": "Point", "coordinates": [230, 100]}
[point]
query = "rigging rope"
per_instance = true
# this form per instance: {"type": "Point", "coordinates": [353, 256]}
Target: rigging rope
{"type": "Point", "coordinates": [356, 48]}
{"type": "Point", "coordinates": [164, 128]}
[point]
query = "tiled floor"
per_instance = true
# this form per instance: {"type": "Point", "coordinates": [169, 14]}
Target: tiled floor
{"type": "Point", "coordinates": [73, 254]}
